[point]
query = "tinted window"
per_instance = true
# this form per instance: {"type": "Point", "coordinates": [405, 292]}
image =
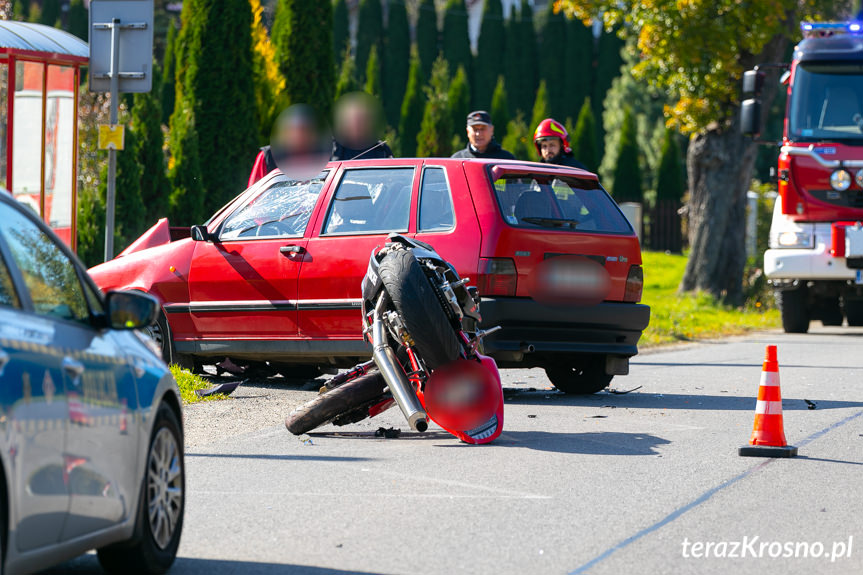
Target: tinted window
{"type": "Point", "coordinates": [8, 297]}
{"type": "Point", "coordinates": [50, 276]}
{"type": "Point", "coordinates": [436, 211]}
{"type": "Point", "coordinates": [371, 201]}
{"type": "Point", "coordinates": [545, 202]}
{"type": "Point", "coordinates": [283, 210]}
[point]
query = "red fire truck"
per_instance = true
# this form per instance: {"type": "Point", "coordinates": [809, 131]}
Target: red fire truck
{"type": "Point", "coordinates": [815, 260]}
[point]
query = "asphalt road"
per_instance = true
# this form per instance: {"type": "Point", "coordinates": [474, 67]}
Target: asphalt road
{"type": "Point", "coordinates": [606, 484]}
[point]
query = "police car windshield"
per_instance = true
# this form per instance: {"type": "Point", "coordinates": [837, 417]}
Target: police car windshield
{"type": "Point", "coordinates": [827, 102]}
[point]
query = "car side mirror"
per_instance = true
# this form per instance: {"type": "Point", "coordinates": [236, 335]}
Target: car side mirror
{"type": "Point", "coordinates": [200, 234]}
{"type": "Point", "coordinates": [131, 310]}
{"type": "Point", "coordinates": [753, 82]}
{"type": "Point", "coordinates": [750, 117]}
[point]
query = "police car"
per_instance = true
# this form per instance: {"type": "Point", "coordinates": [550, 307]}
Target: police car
{"type": "Point", "coordinates": [91, 438]}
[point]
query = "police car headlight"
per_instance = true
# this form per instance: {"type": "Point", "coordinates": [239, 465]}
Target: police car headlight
{"type": "Point", "coordinates": [840, 180]}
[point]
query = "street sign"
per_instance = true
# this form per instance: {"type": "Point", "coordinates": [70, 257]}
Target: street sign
{"type": "Point", "coordinates": [111, 137]}
{"type": "Point", "coordinates": [121, 58]}
{"type": "Point", "coordinates": [135, 36]}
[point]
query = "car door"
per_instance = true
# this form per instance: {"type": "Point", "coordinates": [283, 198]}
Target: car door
{"type": "Point", "coordinates": [34, 413]}
{"type": "Point", "coordinates": [98, 461]}
{"type": "Point", "coordinates": [367, 204]}
{"type": "Point", "coordinates": [446, 218]}
{"type": "Point", "coordinates": [243, 283]}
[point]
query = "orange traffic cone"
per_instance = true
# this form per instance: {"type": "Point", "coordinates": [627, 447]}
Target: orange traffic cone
{"type": "Point", "coordinates": [768, 433]}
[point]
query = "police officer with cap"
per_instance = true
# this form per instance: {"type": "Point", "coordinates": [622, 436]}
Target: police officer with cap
{"type": "Point", "coordinates": [480, 135]}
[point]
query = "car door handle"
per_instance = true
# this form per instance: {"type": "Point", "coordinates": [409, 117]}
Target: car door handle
{"type": "Point", "coordinates": [74, 368]}
{"type": "Point", "coordinates": [292, 250]}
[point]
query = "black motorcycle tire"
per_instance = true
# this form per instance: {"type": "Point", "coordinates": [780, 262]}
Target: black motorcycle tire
{"type": "Point", "coordinates": [327, 406]}
{"type": "Point", "coordinates": [414, 298]}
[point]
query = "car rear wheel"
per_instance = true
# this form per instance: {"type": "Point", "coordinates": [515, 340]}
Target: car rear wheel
{"type": "Point", "coordinates": [335, 402]}
{"type": "Point", "coordinates": [581, 377]}
{"type": "Point", "coordinates": [414, 298]}
{"type": "Point", "coordinates": [793, 305]}
{"type": "Point", "coordinates": [159, 522]}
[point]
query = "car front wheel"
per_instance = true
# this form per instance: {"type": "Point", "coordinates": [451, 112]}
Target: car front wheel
{"type": "Point", "coordinates": [153, 546]}
{"type": "Point", "coordinates": [581, 376]}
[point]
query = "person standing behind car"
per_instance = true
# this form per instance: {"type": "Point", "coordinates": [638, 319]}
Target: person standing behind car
{"type": "Point", "coordinates": [481, 142]}
{"type": "Point", "coordinates": [552, 144]}
{"type": "Point", "coordinates": [358, 116]}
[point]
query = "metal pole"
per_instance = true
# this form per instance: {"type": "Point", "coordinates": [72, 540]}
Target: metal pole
{"type": "Point", "coordinates": [112, 152]}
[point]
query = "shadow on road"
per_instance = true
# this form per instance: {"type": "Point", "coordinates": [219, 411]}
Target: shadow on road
{"type": "Point", "coordinates": [592, 443]}
{"type": "Point", "coordinates": [721, 402]}
{"type": "Point", "coordinates": [89, 565]}
{"type": "Point", "coordinates": [279, 457]}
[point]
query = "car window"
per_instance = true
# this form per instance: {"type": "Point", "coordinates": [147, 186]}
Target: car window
{"type": "Point", "coordinates": [50, 276]}
{"type": "Point", "coordinates": [371, 201]}
{"type": "Point", "coordinates": [8, 295]}
{"type": "Point", "coordinates": [281, 211]}
{"type": "Point", "coordinates": [436, 210]}
{"type": "Point", "coordinates": [539, 201]}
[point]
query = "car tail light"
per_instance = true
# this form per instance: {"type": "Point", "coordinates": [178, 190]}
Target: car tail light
{"type": "Point", "coordinates": [634, 284]}
{"type": "Point", "coordinates": [497, 277]}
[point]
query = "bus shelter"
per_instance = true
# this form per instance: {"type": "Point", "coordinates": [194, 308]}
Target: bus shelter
{"type": "Point", "coordinates": [40, 69]}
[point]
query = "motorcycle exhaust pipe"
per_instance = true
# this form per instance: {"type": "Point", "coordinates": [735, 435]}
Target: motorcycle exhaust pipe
{"type": "Point", "coordinates": [392, 373]}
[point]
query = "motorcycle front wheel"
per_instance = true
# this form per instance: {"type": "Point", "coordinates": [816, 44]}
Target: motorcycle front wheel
{"type": "Point", "coordinates": [335, 402]}
{"type": "Point", "coordinates": [414, 298]}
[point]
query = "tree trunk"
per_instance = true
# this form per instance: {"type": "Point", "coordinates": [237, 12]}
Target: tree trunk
{"type": "Point", "coordinates": [719, 162]}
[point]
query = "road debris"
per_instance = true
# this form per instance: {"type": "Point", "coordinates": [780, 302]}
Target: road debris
{"type": "Point", "coordinates": [618, 392]}
{"type": "Point", "coordinates": [226, 388]}
{"type": "Point", "coordinates": [391, 433]}
{"type": "Point", "coordinates": [811, 404]}
{"type": "Point", "coordinates": [305, 439]}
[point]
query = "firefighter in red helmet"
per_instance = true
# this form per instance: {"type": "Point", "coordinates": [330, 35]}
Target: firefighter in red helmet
{"type": "Point", "coordinates": [552, 144]}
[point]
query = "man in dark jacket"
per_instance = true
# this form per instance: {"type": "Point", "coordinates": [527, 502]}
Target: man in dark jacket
{"type": "Point", "coordinates": [552, 144]}
{"type": "Point", "coordinates": [357, 118]}
{"type": "Point", "coordinates": [480, 135]}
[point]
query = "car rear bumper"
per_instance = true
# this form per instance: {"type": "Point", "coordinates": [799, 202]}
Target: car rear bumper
{"type": "Point", "coordinates": [532, 328]}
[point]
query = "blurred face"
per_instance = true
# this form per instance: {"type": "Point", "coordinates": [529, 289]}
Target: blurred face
{"type": "Point", "coordinates": [354, 124]}
{"type": "Point", "coordinates": [549, 148]}
{"type": "Point", "coordinates": [480, 136]}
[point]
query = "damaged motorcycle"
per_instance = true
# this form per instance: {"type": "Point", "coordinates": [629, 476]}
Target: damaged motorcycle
{"type": "Point", "coordinates": [422, 321]}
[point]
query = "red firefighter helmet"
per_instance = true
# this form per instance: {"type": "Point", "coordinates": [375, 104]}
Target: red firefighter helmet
{"type": "Point", "coordinates": [551, 128]}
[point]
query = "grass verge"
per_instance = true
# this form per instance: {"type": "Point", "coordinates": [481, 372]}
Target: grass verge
{"type": "Point", "coordinates": [685, 317]}
{"type": "Point", "coordinates": [188, 382]}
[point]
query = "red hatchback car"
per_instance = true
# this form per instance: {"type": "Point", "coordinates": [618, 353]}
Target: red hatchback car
{"type": "Point", "coordinates": [275, 275]}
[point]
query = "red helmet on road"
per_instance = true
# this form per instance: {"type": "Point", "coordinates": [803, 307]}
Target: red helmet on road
{"type": "Point", "coordinates": [551, 128]}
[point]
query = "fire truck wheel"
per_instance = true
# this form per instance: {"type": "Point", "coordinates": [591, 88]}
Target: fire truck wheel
{"type": "Point", "coordinates": [793, 306]}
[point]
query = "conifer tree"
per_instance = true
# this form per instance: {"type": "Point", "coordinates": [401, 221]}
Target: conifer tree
{"type": "Point", "coordinates": [79, 20]}
{"type": "Point", "coordinates": [584, 140]}
{"type": "Point", "coordinates": [519, 139]}
{"type": "Point", "coordinates": [305, 56]}
{"type": "Point", "coordinates": [427, 35]}
{"type": "Point", "coordinates": [500, 109]}
{"type": "Point", "coordinates": [578, 81]}
{"type": "Point", "coordinates": [268, 79]}
{"type": "Point", "coordinates": [512, 55]}
{"type": "Point", "coordinates": [50, 14]}
{"type": "Point", "coordinates": [347, 81]}
{"type": "Point", "coordinates": [540, 112]}
{"type": "Point", "coordinates": [169, 77]}
{"type": "Point", "coordinates": [627, 175]}
{"type": "Point", "coordinates": [609, 62]}
{"type": "Point", "coordinates": [435, 135]}
{"type": "Point", "coordinates": [369, 32]}
{"type": "Point", "coordinates": [373, 73]}
{"type": "Point", "coordinates": [459, 103]}
{"type": "Point", "coordinates": [216, 46]}
{"type": "Point", "coordinates": [455, 41]}
{"type": "Point", "coordinates": [397, 60]}
{"type": "Point", "coordinates": [341, 29]}
{"type": "Point", "coordinates": [146, 126]}
{"type": "Point", "coordinates": [489, 54]}
{"type": "Point", "coordinates": [553, 67]}
{"type": "Point", "coordinates": [412, 110]}
{"type": "Point", "coordinates": [186, 201]}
